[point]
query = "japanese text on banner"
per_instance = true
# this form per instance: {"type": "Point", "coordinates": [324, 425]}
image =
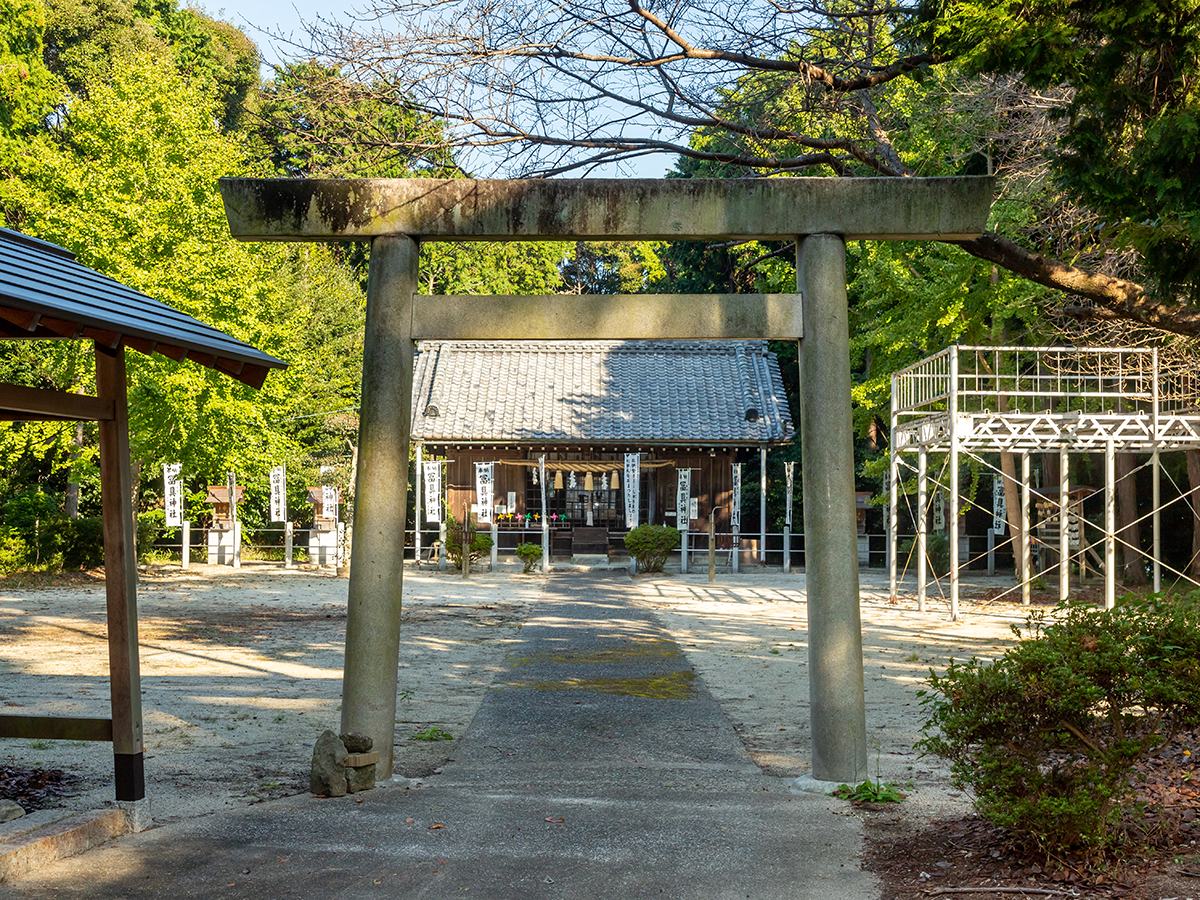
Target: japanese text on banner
{"type": "Point", "coordinates": [172, 494]}
{"type": "Point", "coordinates": [735, 511]}
{"type": "Point", "coordinates": [433, 491]}
{"type": "Point", "coordinates": [278, 494]}
{"type": "Point", "coordinates": [329, 501]}
{"type": "Point", "coordinates": [633, 471]}
{"type": "Point", "coordinates": [683, 498]}
{"type": "Point", "coordinates": [790, 469]}
{"type": "Point", "coordinates": [484, 487]}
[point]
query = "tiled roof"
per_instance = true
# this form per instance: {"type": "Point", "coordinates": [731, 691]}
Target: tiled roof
{"type": "Point", "coordinates": [45, 293]}
{"type": "Point", "coordinates": [621, 392]}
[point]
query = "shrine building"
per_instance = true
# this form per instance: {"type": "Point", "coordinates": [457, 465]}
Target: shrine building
{"type": "Point", "coordinates": [703, 405]}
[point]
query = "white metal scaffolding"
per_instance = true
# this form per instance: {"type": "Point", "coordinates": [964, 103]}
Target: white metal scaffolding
{"type": "Point", "coordinates": [1022, 400]}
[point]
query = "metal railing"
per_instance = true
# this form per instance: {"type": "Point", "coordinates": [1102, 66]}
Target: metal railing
{"type": "Point", "coordinates": [1033, 379]}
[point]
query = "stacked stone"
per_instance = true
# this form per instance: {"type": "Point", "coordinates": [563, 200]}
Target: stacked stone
{"type": "Point", "coordinates": [342, 764]}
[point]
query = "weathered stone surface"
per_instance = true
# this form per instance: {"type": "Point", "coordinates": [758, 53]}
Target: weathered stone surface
{"type": "Point", "coordinates": [328, 776]}
{"type": "Point", "coordinates": [607, 209]}
{"type": "Point", "coordinates": [356, 742]}
{"type": "Point", "coordinates": [360, 779]}
{"type": "Point", "coordinates": [677, 317]}
{"type": "Point", "coordinates": [10, 810]}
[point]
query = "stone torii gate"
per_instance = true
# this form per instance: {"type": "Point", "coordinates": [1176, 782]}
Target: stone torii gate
{"type": "Point", "coordinates": [819, 214]}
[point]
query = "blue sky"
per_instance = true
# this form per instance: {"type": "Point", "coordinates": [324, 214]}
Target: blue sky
{"type": "Point", "coordinates": [262, 18]}
{"type": "Point", "coordinates": [275, 16]}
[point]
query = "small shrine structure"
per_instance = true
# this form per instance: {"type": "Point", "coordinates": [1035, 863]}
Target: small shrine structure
{"type": "Point", "coordinates": [225, 533]}
{"type": "Point", "coordinates": [325, 536]}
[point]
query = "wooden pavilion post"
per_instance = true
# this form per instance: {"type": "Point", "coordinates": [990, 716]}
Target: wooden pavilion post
{"type": "Point", "coordinates": [120, 578]}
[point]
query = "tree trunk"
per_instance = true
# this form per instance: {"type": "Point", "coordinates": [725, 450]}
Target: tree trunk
{"type": "Point", "coordinates": [1012, 509]}
{"type": "Point", "coordinates": [1193, 470]}
{"type": "Point", "coordinates": [1129, 530]}
{"type": "Point", "coordinates": [1012, 499]}
{"type": "Point", "coordinates": [1113, 298]}
{"type": "Point", "coordinates": [71, 507]}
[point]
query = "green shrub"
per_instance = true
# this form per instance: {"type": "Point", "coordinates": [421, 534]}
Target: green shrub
{"type": "Point", "coordinates": [650, 545]}
{"type": "Point", "coordinates": [1046, 738]}
{"type": "Point", "coordinates": [85, 547]}
{"type": "Point", "coordinates": [150, 526]}
{"type": "Point", "coordinates": [480, 543]}
{"type": "Point", "coordinates": [14, 552]}
{"type": "Point", "coordinates": [530, 555]}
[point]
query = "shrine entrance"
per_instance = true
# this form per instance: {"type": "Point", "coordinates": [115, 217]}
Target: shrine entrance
{"type": "Point", "coordinates": [819, 214]}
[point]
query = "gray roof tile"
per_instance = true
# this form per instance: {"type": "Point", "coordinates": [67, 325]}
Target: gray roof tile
{"type": "Point", "coordinates": [621, 392]}
{"type": "Point", "coordinates": [44, 292]}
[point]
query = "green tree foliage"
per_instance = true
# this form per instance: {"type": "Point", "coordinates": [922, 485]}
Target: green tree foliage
{"type": "Point", "coordinates": [613, 267]}
{"type": "Point", "coordinates": [84, 38]}
{"type": "Point", "coordinates": [28, 90]}
{"type": "Point", "coordinates": [1130, 117]}
{"type": "Point", "coordinates": [313, 122]}
{"type": "Point", "coordinates": [127, 177]}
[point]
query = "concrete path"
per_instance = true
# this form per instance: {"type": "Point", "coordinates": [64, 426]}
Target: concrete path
{"type": "Point", "coordinates": [598, 766]}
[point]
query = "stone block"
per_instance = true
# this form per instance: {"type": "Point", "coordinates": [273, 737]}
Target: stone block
{"type": "Point", "coordinates": [355, 742]}
{"type": "Point", "coordinates": [10, 810]}
{"type": "Point", "coordinates": [360, 778]}
{"type": "Point", "coordinates": [328, 775]}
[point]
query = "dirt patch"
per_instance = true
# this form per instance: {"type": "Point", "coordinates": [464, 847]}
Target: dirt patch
{"type": "Point", "coordinates": [240, 673]}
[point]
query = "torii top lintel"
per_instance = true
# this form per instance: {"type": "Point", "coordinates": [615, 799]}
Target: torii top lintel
{"type": "Point", "coordinates": [463, 209]}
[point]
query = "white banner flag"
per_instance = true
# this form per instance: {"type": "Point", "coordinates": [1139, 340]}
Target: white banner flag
{"type": "Point", "coordinates": [790, 469]}
{"type": "Point", "coordinates": [633, 472]}
{"type": "Point", "coordinates": [173, 494]}
{"type": "Point", "coordinates": [735, 512]}
{"type": "Point", "coordinates": [278, 494]}
{"type": "Point", "coordinates": [999, 510]}
{"type": "Point", "coordinates": [329, 501]}
{"type": "Point", "coordinates": [433, 491]}
{"type": "Point", "coordinates": [683, 499]}
{"type": "Point", "coordinates": [939, 511]}
{"type": "Point", "coordinates": [484, 487]}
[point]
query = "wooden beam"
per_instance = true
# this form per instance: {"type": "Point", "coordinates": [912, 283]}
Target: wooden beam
{"type": "Point", "coordinates": [676, 317]}
{"type": "Point", "coordinates": [55, 728]}
{"type": "Point", "coordinates": [120, 577]}
{"type": "Point", "coordinates": [170, 351]}
{"type": "Point", "coordinates": [34, 403]}
{"type": "Point", "coordinates": [463, 209]}
{"type": "Point", "coordinates": [108, 339]}
{"type": "Point", "coordinates": [25, 319]}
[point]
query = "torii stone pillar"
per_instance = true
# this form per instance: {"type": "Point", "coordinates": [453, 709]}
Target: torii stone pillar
{"type": "Point", "coordinates": [835, 668]}
{"type": "Point", "coordinates": [395, 214]}
{"type": "Point", "coordinates": [381, 498]}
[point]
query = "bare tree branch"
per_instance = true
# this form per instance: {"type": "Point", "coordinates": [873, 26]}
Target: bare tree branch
{"type": "Point", "coordinates": [542, 88]}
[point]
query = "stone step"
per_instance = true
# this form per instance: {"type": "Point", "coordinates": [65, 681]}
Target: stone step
{"type": "Point", "coordinates": [44, 836]}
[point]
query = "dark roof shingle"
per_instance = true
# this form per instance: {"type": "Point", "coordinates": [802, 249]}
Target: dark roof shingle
{"type": "Point", "coordinates": [628, 392]}
{"type": "Point", "coordinates": [45, 293]}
